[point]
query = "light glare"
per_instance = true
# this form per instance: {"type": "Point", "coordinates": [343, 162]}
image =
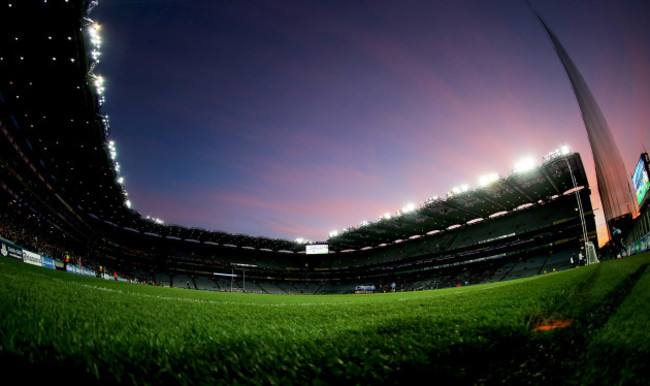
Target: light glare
{"type": "Point", "coordinates": [410, 207]}
{"type": "Point", "coordinates": [524, 165]}
{"type": "Point", "coordinates": [488, 179]}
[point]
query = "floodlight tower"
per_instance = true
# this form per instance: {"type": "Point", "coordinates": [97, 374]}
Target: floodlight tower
{"type": "Point", "coordinates": [613, 182]}
{"type": "Point", "coordinates": [581, 212]}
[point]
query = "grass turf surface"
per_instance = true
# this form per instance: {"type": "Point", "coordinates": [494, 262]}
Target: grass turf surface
{"type": "Point", "coordinates": [57, 325]}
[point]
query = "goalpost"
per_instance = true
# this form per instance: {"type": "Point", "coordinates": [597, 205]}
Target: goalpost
{"type": "Point", "coordinates": [592, 257]}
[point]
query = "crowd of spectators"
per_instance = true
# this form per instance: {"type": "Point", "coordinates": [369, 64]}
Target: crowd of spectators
{"type": "Point", "coordinates": [30, 234]}
{"type": "Point", "coordinates": [19, 233]}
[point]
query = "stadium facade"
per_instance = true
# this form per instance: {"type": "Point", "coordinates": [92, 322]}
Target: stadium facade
{"type": "Point", "coordinates": [61, 196]}
{"type": "Point", "coordinates": [613, 181]}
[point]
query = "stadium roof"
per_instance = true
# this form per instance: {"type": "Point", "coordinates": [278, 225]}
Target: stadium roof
{"type": "Point", "coordinates": [50, 111]}
{"type": "Point", "coordinates": [503, 195]}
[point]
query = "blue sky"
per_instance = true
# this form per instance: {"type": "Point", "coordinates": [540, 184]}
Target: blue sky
{"type": "Point", "coordinates": [292, 119]}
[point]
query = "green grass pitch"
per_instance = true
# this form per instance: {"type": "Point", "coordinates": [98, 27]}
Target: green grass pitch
{"type": "Point", "coordinates": [55, 325]}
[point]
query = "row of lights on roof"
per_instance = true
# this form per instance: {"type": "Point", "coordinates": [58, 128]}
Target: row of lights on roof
{"type": "Point", "coordinates": [156, 220]}
{"type": "Point", "coordinates": [557, 153]}
{"type": "Point", "coordinates": [112, 151]}
{"type": "Point", "coordinates": [98, 81]}
{"type": "Point", "coordinates": [522, 166]}
{"type": "Point", "coordinates": [95, 40]}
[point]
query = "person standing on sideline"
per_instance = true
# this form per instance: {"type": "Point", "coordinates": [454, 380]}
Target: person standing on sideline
{"type": "Point", "coordinates": [617, 240]}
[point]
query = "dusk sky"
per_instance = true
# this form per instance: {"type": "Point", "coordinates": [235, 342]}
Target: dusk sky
{"type": "Point", "coordinates": [291, 119]}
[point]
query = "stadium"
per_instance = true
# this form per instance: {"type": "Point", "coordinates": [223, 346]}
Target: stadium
{"type": "Point", "coordinates": [481, 273]}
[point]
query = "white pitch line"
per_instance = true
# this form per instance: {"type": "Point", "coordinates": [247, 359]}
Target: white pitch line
{"type": "Point", "coordinates": [214, 302]}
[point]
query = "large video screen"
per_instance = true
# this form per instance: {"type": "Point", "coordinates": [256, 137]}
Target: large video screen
{"type": "Point", "coordinates": [641, 181]}
{"type": "Point", "coordinates": [317, 249]}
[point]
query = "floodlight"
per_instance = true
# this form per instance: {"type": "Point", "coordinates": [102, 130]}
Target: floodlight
{"type": "Point", "coordinates": [156, 220]}
{"type": "Point", "coordinates": [128, 204]}
{"type": "Point", "coordinates": [487, 179]}
{"type": "Point", "coordinates": [460, 189]}
{"type": "Point", "coordinates": [95, 37]}
{"type": "Point", "coordinates": [410, 207]}
{"type": "Point", "coordinates": [99, 84]}
{"type": "Point", "coordinates": [120, 180]}
{"type": "Point", "coordinates": [524, 165]}
{"type": "Point", "coordinates": [564, 149]}
{"type": "Point", "coordinates": [334, 233]}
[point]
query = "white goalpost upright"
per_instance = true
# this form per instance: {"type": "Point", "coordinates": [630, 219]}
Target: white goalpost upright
{"type": "Point", "coordinates": [592, 257]}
